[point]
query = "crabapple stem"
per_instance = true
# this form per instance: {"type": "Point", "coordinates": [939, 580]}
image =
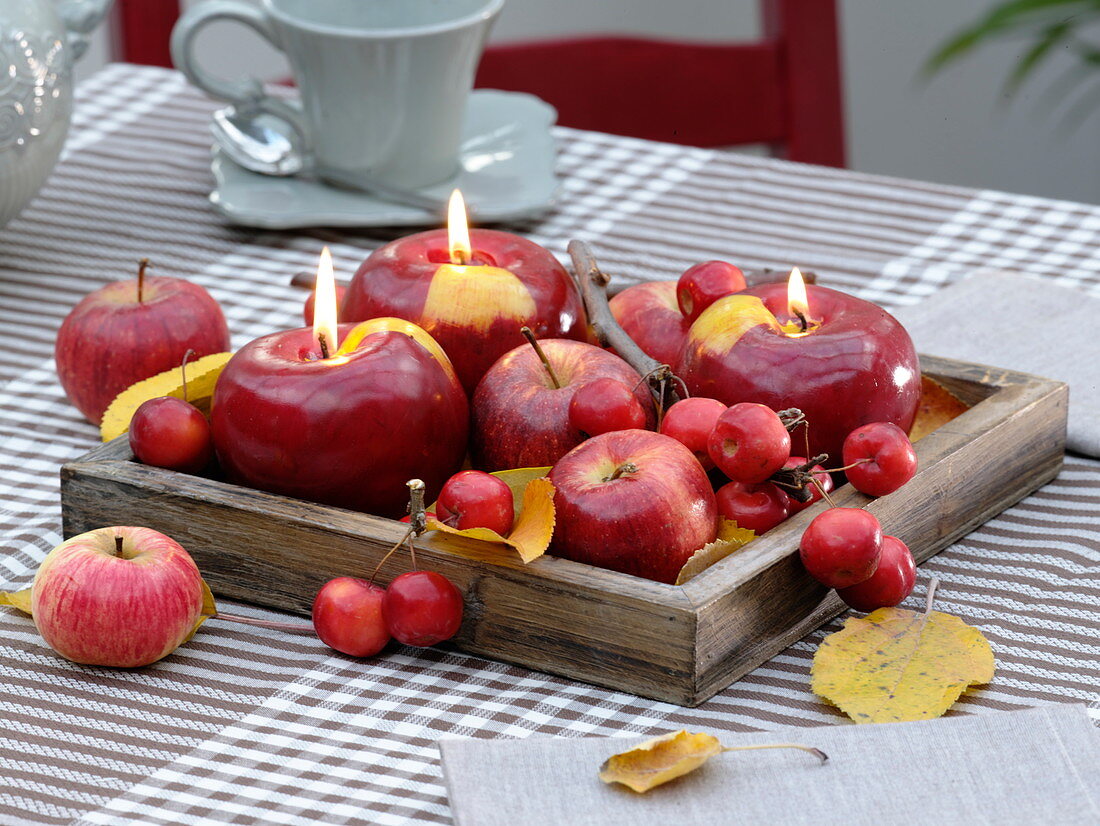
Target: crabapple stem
{"type": "Point", "coordinates": [824, 493]}
{"type": "Point", "coordinates": [183, 370]}
{"type": "Point", "coordinates": [389, 553]}
{"type": "Point", "coordinates": [848, 467]}
{"type": "Point", "coordinates": [530, 336]}
{"type": "Point", "coordinates": [297, 627]}
{"type": "Point", "coordinates": [931, 594]}
{"type": "Point", "coordinates": [627, 467]}
{"type": "Point", "coordinates": [818, 753]}
{"type": "Point", "coordinates": [142, 265]}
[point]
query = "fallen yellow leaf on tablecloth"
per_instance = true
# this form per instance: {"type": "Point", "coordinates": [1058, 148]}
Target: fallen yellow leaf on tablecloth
{"type": "Point", "coordinates": [937, 407]}
{"type": "Point", "coordinates": [895, 665]}
{"type": "Point", "coordinates": [17, 599]}
{"type": "Point", "coordinates": [202, 374]}
{"type": "Point", "coordinates": [673, 755]}
{"type": "Point", "coordinates": [533, 499]}
{"type": "Point", "coordinates": [660, 760]}
{"type": "Point", "coordinates": [730, 538]}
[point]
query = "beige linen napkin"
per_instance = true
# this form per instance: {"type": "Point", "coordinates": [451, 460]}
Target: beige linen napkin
{"type": "Point", "coordinates": [1027, 324]}
{"type": "Point", "coordinates": [1035, 766]}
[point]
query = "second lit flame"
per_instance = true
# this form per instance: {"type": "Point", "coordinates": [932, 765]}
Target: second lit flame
{"type": "Point", "coordinates": [797, 303]}
{"type": "Point", "coordinates": [324, 306]}
{"type": "Point", "coordinates": [458, 234]}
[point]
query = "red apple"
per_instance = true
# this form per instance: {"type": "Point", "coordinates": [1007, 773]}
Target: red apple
{"type": "Point", "coordinates": [170, 433]}
{"type": "Point", "coordinates": [476, 499]}
{"type": "Point", "coordinates": [347, 616]}
{"type": "Point", "coordinates": [632, 501]}
{"type": "Point", "coordinates": [520, 419]}
{"type": "Point", "coordinates": [348, 431]}
{"type": "Point", "coordinates": [114, 338]}
{"type": "Point", "coordinates": [475, 312]}
{"type": "Point", "coordinates": [854, 365]}
{"type": "Point", "coordinates": [307, 308]}
{"type": "Point", "coordinates": [123, 597]}
{"type": "Point", "coordinates": [649, 315]}
{"type": "Point", "coordinates": [703, 284]}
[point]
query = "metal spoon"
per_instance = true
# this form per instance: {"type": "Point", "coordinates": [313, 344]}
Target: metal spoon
{"type": "Point", "coordinates": [270, 146]}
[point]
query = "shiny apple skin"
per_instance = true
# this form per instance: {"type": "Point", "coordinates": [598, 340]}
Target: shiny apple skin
{"type": "Point", "coordinates": [474, 329]}
{"type": "Point", "coordinates": [96, 608]}
{"type": "Point", "coordinates": [650, 316]}
{"type": "Point", "coordinates": [858, 367]}
{"type": "Point", "coordinates": [351, 435]}
{"type": "Point", "coordinates": [170, 433]}
{"type": "Point", "coordinates": [110, 340]}
{"type": "Point", "coordinates": [519, 419]}
{"type": "Point", "coordinates": [646, 523]}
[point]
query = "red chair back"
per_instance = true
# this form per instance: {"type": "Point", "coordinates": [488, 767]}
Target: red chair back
{"type": "Point", "coordinates": [783, 90]}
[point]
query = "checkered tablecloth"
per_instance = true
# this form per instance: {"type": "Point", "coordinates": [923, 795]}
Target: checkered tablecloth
{"type": "Point", "coordinates": [243, 726]}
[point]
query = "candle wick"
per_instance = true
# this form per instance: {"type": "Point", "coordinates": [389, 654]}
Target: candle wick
{"type": "Point", "coordinates": [323, 341]}
{"type": "Point", "coordinates": [802, 320]}
{"type": "Point", "coordinates": [458, 256]}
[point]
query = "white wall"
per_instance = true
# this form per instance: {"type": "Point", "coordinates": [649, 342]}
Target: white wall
{"type": "Point", "coordinates": [954, 128]}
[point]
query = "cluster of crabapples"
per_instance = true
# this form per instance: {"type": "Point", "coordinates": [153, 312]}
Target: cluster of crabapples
{"type": "Point", "coordinates": [359, 617]}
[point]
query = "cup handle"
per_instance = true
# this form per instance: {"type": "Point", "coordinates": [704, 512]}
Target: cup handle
{"type": "Point", "coordinates": [245, 94]}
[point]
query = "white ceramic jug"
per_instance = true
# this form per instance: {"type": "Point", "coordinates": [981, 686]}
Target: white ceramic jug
{"type": "Point", "coordinates": [39, 42]}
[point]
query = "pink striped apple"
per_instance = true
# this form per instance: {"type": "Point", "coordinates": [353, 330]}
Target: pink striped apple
{"type": "Point", "coordinates": [122, 597]}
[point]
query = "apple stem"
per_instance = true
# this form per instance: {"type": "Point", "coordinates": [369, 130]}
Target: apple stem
{"type": "Point", "coordinates": [818, 753]}
{"type": "Point", "coordinates": [530, 336]}
{"type": "Point", "coordinates": [627, 467]}
{"type": "Point", "coordinates": [142, 265]}
{"type": "Point", "coordinates": [183, 371]}
{"type": "Point", "coordinates": [118, 546]}
{"type": "Point", "coordinates": [824, 493]}
{"type": "Point", "coordinates": [298, 627]}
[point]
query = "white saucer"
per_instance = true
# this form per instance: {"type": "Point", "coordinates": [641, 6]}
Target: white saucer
{"type": "Point", "coordinates": [507, 158]}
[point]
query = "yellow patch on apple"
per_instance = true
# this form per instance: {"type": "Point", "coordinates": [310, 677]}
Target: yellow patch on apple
{"type": "Point", "coordinates": [487, 293]}
{"type": "Point", "coordinates": [388, 324]}
{"type": "Point", "coordinates": [721, 325]}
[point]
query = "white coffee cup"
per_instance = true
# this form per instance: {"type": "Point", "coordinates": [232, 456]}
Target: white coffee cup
{"type": "Point", "coordinates": [383, 83]}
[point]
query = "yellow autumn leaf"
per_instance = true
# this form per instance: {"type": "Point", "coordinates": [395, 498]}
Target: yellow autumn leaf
{"type": "Point", "coordinates": [209, 609]}
{"type": "Point", "coordinates": [20, 600]}
{"type": "Point", "coordinates": [534, 526]}
{"type": "Point", "coordinates": [730, 538]}
{"type": "Point", "coordinates": [895, 665]}
{"type": "Point", "coordinates": [660, 760]}
{"type": "Point", "coordinates": [202, 374]}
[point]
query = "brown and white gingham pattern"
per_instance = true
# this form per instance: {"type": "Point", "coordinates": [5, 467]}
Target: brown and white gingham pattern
{"type": "Point", "coordinates": [254, 726]}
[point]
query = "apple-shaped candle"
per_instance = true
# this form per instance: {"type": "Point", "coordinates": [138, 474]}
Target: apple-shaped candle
{"type": "Point", "coordinates": [843, 361]}
{"type": "Point", "coordinates": [127, 331]}
{"type": "Point", "coordinates": [346, 426]}
{"type": "Point", "coordinates": [472, 292]}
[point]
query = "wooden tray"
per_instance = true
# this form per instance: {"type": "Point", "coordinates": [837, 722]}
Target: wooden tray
{"type": "Point", "coordinates": [680, 644]}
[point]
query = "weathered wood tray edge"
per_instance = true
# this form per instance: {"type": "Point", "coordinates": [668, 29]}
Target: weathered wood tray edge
{"type": "Point", "coordinates": [679, 644]}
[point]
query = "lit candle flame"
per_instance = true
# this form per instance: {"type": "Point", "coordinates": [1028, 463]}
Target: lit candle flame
{"type": "Point", "coordinates": [324, 306]}
{"type": "Point", "coordinates": [458, 235]}
{"type": "Point", "coordinates": [798, 304]}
